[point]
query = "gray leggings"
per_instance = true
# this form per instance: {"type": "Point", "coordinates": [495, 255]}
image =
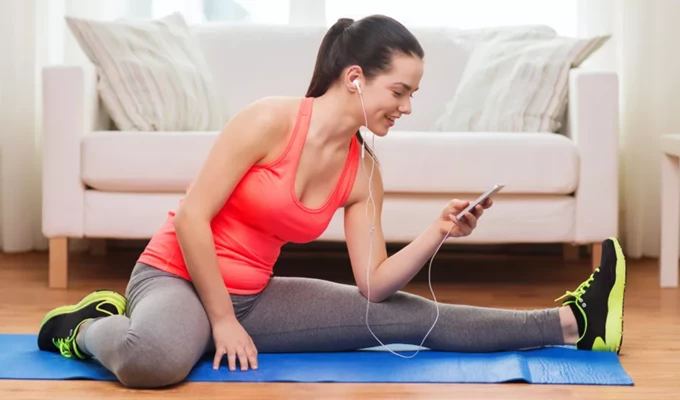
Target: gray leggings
{"type": "Point", "coordinates": [166, 330]}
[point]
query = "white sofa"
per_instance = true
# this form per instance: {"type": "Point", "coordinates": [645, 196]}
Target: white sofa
{"type": "Point", "coordinates": [560, 187]}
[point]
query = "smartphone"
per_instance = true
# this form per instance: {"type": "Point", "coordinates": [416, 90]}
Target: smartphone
{"type": "Point", "coordinates": [480, 200]}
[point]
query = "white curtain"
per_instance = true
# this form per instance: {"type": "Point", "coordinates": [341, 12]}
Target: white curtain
{"type": "Point", "coordinates": [32, 35]}
{"type": "Point", "coordinates": [644, 54]}
{"type": "Point", "coordinates": [20, 25]}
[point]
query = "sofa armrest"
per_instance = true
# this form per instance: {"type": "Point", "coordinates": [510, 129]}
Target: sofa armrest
{"type": "Point", "coordinates": [70, 110]}
{"type": "Point", "coordinates": [593, 125]}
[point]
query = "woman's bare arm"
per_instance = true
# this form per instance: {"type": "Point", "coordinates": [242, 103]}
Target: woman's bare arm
{"type": "Point", "coordinates": [245, 140]}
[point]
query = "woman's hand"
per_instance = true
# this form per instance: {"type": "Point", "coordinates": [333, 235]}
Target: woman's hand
{"type": "Point", "coordinates": [231, 339]}
{"type": "Point", "coordinates": [467, 224]}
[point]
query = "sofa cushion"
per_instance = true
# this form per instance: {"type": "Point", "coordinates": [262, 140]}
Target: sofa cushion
{"type": "Point", "coordinates": [143, 161]}
{"type": "Point", "coordinates": [138, 216]}
{"type": "Point", "coordinates": [255, 75]}
{"type": "Point", "coordinates": [446, 162]}
{"type": "Point", "coordinates": [411, 162]}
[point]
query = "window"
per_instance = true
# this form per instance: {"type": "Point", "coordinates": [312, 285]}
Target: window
{"type": "Point", "coordinates": [200, 11]}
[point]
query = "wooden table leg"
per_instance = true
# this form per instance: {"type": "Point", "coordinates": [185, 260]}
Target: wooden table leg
{"type": "Point", "coordinates": [596, 255]}
{"type": "Point", "coordinates": [670, 221]}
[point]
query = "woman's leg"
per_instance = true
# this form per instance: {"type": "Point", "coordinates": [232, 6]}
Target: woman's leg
{"type": "Point", "coordinates": [163, 333]}
{"type": "Point", "coordinates": [300, 314]}
{"type": "Point", "coordinates": [159, 339]}
{"type": "Point", "coordinates": [297, 314]}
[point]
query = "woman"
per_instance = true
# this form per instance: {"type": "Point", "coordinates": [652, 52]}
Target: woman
{"type": "Point", "coordinates": [204, 283]}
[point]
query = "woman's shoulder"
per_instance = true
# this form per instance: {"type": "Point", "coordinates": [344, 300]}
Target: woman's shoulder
{"type": "Point", "coordinates": [264, 125]}
{"type": "Point", "coordinates": [273, 108]}
{"type": "Point", "coordinates": [276, 114]}
{"type": "Point", "coordinates": [279, 102]}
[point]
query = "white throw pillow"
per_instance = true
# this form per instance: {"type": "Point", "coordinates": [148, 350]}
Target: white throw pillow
{"type": "Point", "coordinates": [472, 38]}
{"type": "Point", "coordinates": [516, 81]}
{"type": "Point", "coordinates": [152, 74]}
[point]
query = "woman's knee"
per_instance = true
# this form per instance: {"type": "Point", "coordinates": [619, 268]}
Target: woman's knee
{"type": "Point", "coordinates": [148, 364]}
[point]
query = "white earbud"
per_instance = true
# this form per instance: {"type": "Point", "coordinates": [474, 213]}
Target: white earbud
{"type": "Point", "coordinates": [356, 83]}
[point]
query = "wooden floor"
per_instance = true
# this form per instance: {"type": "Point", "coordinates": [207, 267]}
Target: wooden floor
{"type": "Point", "coordinates": [651, 352]}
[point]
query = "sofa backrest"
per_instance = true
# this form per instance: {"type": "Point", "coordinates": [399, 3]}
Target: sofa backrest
{"type": "Point", "coordinates": [251, 61]}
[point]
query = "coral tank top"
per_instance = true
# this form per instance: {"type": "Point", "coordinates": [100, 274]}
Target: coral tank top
{"type": "Point", "coordinates": [261, 215]}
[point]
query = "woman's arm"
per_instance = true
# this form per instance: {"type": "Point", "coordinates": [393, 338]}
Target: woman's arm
{"type": "Point", "coordinates": [244, 141]}
{"type": "Point", "coordinates": [388, 275]}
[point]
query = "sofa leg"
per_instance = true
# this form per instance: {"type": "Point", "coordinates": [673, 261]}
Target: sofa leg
{"type": "Point", "coordinates": [596, 255]}
{"type": "Point", "coordinates": [58, 263]}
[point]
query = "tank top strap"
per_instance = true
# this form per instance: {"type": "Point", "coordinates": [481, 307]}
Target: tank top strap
{"type": "Point", "coordinates": [350, 171]}
{"type": "Point", "coordinates": [301, 128]}
{"type": "Point", "coordinates": [299, 135]}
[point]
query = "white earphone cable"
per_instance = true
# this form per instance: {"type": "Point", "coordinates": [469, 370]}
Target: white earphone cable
{"type": "Point", "coordinates": [370, 246]}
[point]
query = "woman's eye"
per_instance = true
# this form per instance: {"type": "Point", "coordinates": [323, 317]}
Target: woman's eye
{"type": "Point", "coordinates": [397, 94]}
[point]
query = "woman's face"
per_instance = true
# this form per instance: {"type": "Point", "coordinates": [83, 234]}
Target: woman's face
{"type": "Point", "coordinates": [388, 96]}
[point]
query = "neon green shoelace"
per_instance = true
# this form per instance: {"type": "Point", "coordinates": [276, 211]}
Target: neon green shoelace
{"type": "Point", "coordinates": [578, 299]}
{"type": "Point", "coordinates": [64, 346]}
{"type": "Point", "coordinates": [581, 289]}
{"type": "Point", "coordinates": [68, 346]}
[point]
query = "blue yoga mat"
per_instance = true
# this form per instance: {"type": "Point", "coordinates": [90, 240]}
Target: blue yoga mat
{"type": "Point", "coordinates": [21, 359]}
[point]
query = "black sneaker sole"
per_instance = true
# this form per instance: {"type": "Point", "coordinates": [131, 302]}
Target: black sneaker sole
{"type": "Point", "coordinates": [619, 292]}
{"type": "Point", "coordinates": [614, 323]}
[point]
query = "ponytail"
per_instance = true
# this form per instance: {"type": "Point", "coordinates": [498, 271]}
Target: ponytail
{"type": "Point", "coordinates": [330, 61]}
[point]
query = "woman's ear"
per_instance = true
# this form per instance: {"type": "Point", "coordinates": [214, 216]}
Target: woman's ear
{"type": "Point", "coordinates": [353, 74]}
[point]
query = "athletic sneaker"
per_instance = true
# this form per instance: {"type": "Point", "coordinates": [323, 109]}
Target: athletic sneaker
{"type": "Point", "coordinates": [60, 326]}
{"type": "Point", "coordinates": [598, 302]}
